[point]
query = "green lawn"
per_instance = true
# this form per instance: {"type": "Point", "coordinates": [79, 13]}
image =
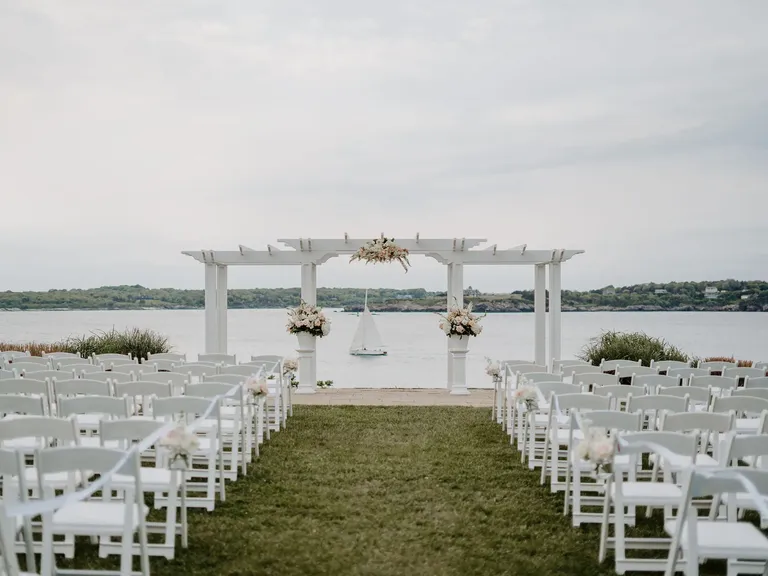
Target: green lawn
{"type": "Point", "coordinates": [387, 491]}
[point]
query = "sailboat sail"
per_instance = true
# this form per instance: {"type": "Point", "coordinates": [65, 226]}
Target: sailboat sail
{"type": "Point", "coordinates": [367, 336]}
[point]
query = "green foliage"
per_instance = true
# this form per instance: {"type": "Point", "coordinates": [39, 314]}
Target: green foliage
{"type": "Point", "coordinates": [134, 341]}
{"type": "Point", "coordinates": [630, 346]}
{"type": "Point", "coordinates": [320, 383]}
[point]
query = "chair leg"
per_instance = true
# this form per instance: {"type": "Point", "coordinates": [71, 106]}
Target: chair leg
{"type": "Point", "coordinates": [544, 456]}
{"type": "Point", "coordinates": [604, 526]}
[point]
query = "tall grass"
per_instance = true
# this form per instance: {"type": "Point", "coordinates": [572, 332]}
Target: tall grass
{"type": "Point", "coordinates": [739, 363]}
{"type": "Point", "coordinates": [134, 341]}
{"type": "Point", "coordinates": [630, 346]}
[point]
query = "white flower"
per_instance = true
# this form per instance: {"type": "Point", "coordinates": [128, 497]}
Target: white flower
{"type": "Point", "coordinates": [257, 386]}
{"type": "Point", "coordinates": [582, 450]}
{"type": "Point", "coordinates": [460, 329]}
{"type": "Point", "coordinates": [601, 450]}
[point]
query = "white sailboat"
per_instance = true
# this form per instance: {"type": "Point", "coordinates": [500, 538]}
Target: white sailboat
{"type": "Point", "coordinates": [367, 340]}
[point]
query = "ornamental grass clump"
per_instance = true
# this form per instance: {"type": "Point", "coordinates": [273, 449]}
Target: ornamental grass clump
{"type": "Point", "coordinates": [613, 345]}
{"type": "Point", "coordinates": [134, 341]}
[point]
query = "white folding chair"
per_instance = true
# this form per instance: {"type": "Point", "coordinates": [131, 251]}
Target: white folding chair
{"type": "Point", "coordinates": [653, 381]}
{"type": "Point", "coordinates": [717, 384]}
{"type": "Point", "coordinates": [65, 361]}
{"type": "Point", "coordinates": [557, 365]}
{"type": "Point", "coordinates": [590, 380]}
{"type": "Point", "coordinates": [167, 485]}
{"type": "Point", "coordinates": [716, 366]}
{"type": "Point", "coordinates": [628, 373]}
{"type": "Point", "coordinates": [172, 356]}
{"type": "Point", "coordinates": [663, 366]}
{"type": "Point", "coordinates": [747, 409]}
{"type": "Point", "coordinates": [651, 407]}
{"type": "Point", "coordinates": [218, 358]}
{"type": "Point", "coordinates": [708, 426]}
{"type": "Point", "coordinates": [532, 427]}
{"type": "Point", "coordinates": [89, 412]}
{"type": "Point", "coordinates": [176, 380]}
{"type": "Point", "coordinates": [39, 360]}
{"type": "Point", "coordinates": [113, 358]}
{"type": "Point", "coordinates": [619, 394]}
{"type": "Point", "coordinates": [685, 373]}
{"type": "Point", "coordinates": [81, 370]}
{"type": "Point", "coordinates": [78, 387]}
{"type": "Point", "coordinates": [751, 392]}
{"type": "Point", "coordinates": [15, 405]}
{"type": "Point", "coordinates": [95, 517]}
{"type": "Point", "coordinates": [256, 419]}
{"type": "Point", "coordinates": [160, 365]}
{"type": "Point", "coordinates": [196, 371]}
{"type": "Point", "coordinates": [741, 544]}
{"type": "Point", "coordinates": [21, 369]}
{"type": "Point", "coordinates": [140, 394]}
{"type": "Point", "coordinates": [7, 374]}
{"type": "Point", "coordinates": [621, 494]}
{"type": "Point", "coordinates": [113, 377]}
{"type": "Point", "coordinates": [699, 399]}
{"type": "Point", "coordinates": [12, 471]}
{"type": "Point", "coordinates": [27, 387]}
{"type": "Point", "coordinates": [760, 382]}
{"type": "Point", "coordinates": [613, 365]}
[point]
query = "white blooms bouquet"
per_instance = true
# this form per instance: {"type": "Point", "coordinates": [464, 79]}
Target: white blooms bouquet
{"type": "Point", "coordinates": [181, 444]}
{"type": "Point", "coordinates": [598, 449]}
{"type": "Point", "coordinates": [290, 365]}
{"type": "Point", "coordinates": [461, 322]}
{"type": "Point", "coordinates": [382, 250]}
{"type": "Point", "coordinates": [528, 396]}
{"type": "Point", "coordinates": [257, 386]}
{"type": "Point", "coordinates": [493, 369]}
{"type": "Point", "coordinates": [308, 318]}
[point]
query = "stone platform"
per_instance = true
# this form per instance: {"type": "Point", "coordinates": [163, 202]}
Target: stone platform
{"type": "Point", "coordinates": [395, 397]}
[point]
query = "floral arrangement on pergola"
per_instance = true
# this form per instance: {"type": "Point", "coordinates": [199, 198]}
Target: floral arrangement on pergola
{"type": "Point", "coordinates": [382, 250]}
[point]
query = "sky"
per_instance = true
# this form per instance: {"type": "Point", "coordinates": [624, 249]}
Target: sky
{"type": "Point", "coordinates": [132, 130]}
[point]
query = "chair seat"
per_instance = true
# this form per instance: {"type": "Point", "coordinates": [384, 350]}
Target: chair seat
{"type": "Point", "coordinates": [679, 462]}
{"type": "Point", "coordinates": [227, 426]}
{"type": "Point", "coordinates": [561, 437]}
{"type": "Point", "coordinates": [94, 518]}
{"type": "Point", "coordinates": [743, 500]}
{"type": "Point", "coordinates": [620, 462]}
{"type": "Point", "coordinates": [740, 540]}
{"type": "Point", "coordinates": [649, 493]}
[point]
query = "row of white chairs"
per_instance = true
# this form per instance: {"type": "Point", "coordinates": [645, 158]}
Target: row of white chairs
{"type": "Point", "coordinates": [690, 434]}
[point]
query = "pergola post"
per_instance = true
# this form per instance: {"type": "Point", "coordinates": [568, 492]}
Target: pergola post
{"type": "Point", "coordinates": [211, 330]}
{"type": "Point", "coordinates": [308, 357]}
{"type": "Point", "coordinates": [540, 312]}
{"type": "Point", "coordinates": [221, 309]}
{"type": "Point", "coordinates": [449, 293]}
{"type": "Point", "coordinates": [554, 312]}
{"type": "Point", "coordinates": [459, 384]}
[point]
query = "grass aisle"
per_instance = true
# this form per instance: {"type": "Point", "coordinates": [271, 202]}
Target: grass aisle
{"type": "Point", "coordinates": [387, 491]}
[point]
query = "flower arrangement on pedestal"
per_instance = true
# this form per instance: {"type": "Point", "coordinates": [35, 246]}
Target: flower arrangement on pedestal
{"type": "Point", "coordinates": [460, 321]}
{"type": "Point", "coordinates": [598, 449]}
{"type": "Point", "coordinates": [382, 250]}
{"type": "Point", "coordinates": [257, 387]}
{"type": "Point", "coordinates": [308, 318]}
{"type": "Point", "coordinates": [181, 445]}
{"type": "Point", "coordinates": [528, 396]}
{"type": "Point", "coordinates": [493, 369]}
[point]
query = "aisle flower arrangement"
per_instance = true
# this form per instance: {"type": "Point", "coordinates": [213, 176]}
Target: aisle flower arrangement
{"type": "Point", "coordinates": [461, 322]}
{"type": "Point", "coordinates": [493, 369]}
{"type": "Point", "coordinates": [528, 396]}
{"type": "Point", "coordinates": [290, 366]}
{"type": "Point", "coordinates": [598, 449]}
{"type": "Point", "coordinates": [181, 445]}
{"type": "Point", "coordinates": [308, 318]}
{"type": "Point", "coordinates": [382, 250]}
{"type": "Point", "coordinates": [257, 386]}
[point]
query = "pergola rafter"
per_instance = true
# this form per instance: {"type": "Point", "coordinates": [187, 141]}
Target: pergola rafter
{"type": "Point", "coordinates": [455, 253]}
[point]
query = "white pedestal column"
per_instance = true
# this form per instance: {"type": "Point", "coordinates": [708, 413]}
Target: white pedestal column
{"type": "Point", "coordinates": [448, 355]}
{"type": "Point", "coordinates": [307, 350]}
{"type": "Point", "coordinates": [554, 313]}
{"type": "Point", "coordinates": [459, 355]}
{"type": "Point", "coordinates": [211, 330]}
{"type": "Point", "coordinates": [221, 309]}
{"type": "Point", "coordinates": [540, 312]}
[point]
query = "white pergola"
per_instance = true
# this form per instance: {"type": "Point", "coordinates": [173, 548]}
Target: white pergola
{"type": "Point", "coordinates": [455, 253]}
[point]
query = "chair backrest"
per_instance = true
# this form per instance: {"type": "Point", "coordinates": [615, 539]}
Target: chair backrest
{"type": "Point", "coordinates": [127, 431]}
{"type": "Point", "coordinates": [160, 365]}
{"type": "Point", "coordinates": [109, 376]}
{"type": "Point", "coordinates": [557, 365]}
{"type": "Point", "coordinates": [241, 369]}
{"type": "Point", "coordinates": [80, 369]}
{"type": "Point", "coordinates": [750, 392]}
{"type": "Point", "coordinates": [629, 371]}
{"type": "Point", "coordinates": [232, 379]}
{"type": "Point", "coordinates": [571, 370]}
{"type": "Point", "coordinates": [657, 403]}
{"type": "Point", "coordinates": [45, 427]}
{"type": "Point", "coordinates": [569, 402]}
{"type": "Point", "coordinates": [174, 378]}
{"type": "Point", "coordinates": [81, 386]}
{"type": "Point", "coordinates": [763, 365]}
{"type": "Point", "coordinates": [547, 389]}
{"type": "Point", "coordinates": [198, 370]}
{"type": "Point", "coordinates": [595, 379]}
{"type": "Point", "coordinates": [112, 358]}
{"type": "Point", "coordinates": [173, 356]}
{"type": "Point", "coordinates": [722, 382]}
{"type": "Point", "coordinates": [218, 358]}
{"type": "Point", "coordinates": [66, 374]}
{"type": "Point", "coordinates": [614, 420]}
{"type": "Point", "coordinates": [653, 381]}
{"type": "Point", "coordinates": [107, 405]}
{"type": "Point", "coordinates": [523, 368]}
{"type": "Point", "coordinates": [739, 447]}
{"type": "Point", "coordinates": [17, 404]}
{"type": "Point", "coordinates": [695, 395]}
{"type": "Point", "coordinates": [96, 459]}
{"type": "Point", "coordinates": [143, 388]}
{"type": "Point", "coordinates": [761, 382]}
{"type": "Point", "coordinates": [64, 361]}
{"type": "Point", "coordinates": [189, 407]}
{"type": "Point", "coordinates": [269, 366]}
{"type": "Point", "coordinates": [612, 365]}
{"type": "Point", "coordinates": [135, 369]}
{"type": "Point", "coordinates": [685, 373]}
{"type": "Point", "coordinates": [618, 391]}
{"type": "Point", "coordinates": [209, 389]}
{"type": "Point", "coordinates": [717, 365]}
{"type": "Point", "coordinates": [744, 373]}
{"type": "Point", "coordinates": [664, 365]}
{"type": "Point", "coordinates": [533, 377]}
{"type": "Point", "coordinates": [650, 441]}
{"type": "Point", "coordinates": [6, 374]}
{"type": "Point", "coordinates": [39, 360]}
{"type": "Point", "coordinates": [23, 386]}
{"type": "Point", "coordinates": [712, 482]}
{"type": "Point", "coordinates": [701, 421]}
{"type": "Point", "coordinates": [58, 355]}
{"type": "Point", "coordinates": [739, 404]}
{"type": "Point", "coordinates": [22, 368]}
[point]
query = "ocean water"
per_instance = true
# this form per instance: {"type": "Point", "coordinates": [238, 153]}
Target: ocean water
{"type": "Point", "coordinates": [417, 348]}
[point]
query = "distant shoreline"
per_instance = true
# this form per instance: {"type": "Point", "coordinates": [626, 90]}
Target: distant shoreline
{"type": "Point", "coordinates": [388, 311]}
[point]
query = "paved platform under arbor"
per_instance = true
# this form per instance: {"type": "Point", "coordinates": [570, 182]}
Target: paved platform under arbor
{"type": "Point", "coordinates": [394, 397]}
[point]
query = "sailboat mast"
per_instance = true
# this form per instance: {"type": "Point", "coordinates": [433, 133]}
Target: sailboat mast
{"type": "Point", "coordinates": [362, 318]}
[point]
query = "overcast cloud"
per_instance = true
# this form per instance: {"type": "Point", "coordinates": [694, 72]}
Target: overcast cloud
{"type": "Point", "coordinates": [130, 131]}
